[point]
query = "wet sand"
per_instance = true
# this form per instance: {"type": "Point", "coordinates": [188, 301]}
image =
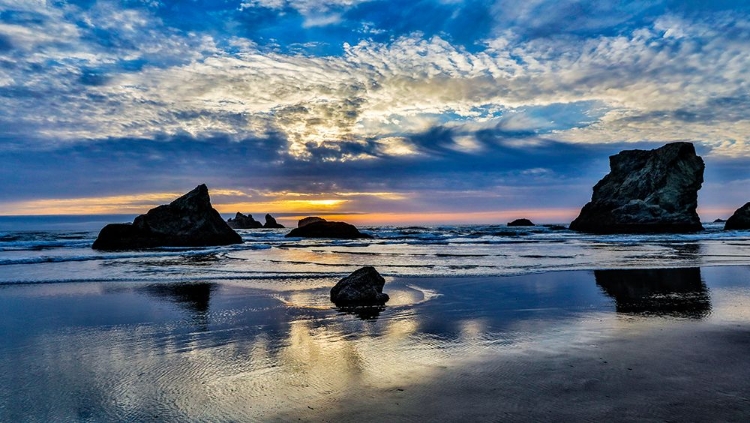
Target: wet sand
{"type": "Point", "coordinates": [670, 374]}
{"type": "Point", "coordinates": [643, 345]}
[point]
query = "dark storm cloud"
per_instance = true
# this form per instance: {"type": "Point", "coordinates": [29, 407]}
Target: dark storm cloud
{"type": "Point", "coordinates": [128, 166]}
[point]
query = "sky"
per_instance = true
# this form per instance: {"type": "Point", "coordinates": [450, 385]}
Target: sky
{"type": "Point", "coordinates": [421, 111]}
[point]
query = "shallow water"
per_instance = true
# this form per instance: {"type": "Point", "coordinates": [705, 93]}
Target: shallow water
{"type": "Point", "coordinates": [140, 351]}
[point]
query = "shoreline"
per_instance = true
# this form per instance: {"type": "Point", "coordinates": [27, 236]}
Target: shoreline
{"type": "Point", "coordinates": [251, 281]}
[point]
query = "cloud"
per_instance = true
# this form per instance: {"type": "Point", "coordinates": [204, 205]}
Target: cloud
{"type": "Point", "coordinates": [135, 166]}
{"type": "Point", "coordinates": [308, 96]}
{"type": "Point", "coordinates": [188, 83]}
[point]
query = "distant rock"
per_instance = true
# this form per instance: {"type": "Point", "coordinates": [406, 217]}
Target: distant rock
{"type": "Point", "coordinates": [308, 220]}
{"type": "Point", "coordinates": [521, 222]}
{"type": "Point", "coordinates": [241, 221]}
{"type": "Point", "coordinates": [188, 221]}
{"type": "Point", "coordinates": [364, 287]}
{"type": "Point", "coordinates": [327, 229]}
{"type": "Point", "coordinates": [646, 191]}
{"type": "Point", "coordinates": [719, 221]}
{"type": "Point", "coordinates": [271, 223]}
{"type": "Point", "coordinates": [740, 219]}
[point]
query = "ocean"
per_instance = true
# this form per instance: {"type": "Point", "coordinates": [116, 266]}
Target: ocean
{"type": "Point", "coordinates": [51, 249]}
{"type": "Point", "coordinates": [485, 323]}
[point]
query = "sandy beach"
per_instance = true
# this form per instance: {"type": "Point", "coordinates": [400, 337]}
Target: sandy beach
{"type": "Point", "coordinates": [571, 346]}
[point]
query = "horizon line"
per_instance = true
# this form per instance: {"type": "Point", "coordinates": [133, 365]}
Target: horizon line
{"type": "Point", "coordinates": [538, 216]}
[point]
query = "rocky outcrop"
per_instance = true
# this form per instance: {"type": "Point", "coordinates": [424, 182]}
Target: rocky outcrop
{"type": "Point", "coordinates": [646, 191]}
{"type": "Point", "coordinates": [325, 229]}
{"type": "Point", "coordinates": [521, 222]}
{"type": "Point", "coordinates": [740, 219]}
{"type": "Point", "coordinates": [271, 223]}
{"type": "Point", "coordinates": [188, 221]}
{"type": "Point", "coordinates": [364, 287]}
{"type": "Point", "coordinates": [241, 221]}
{"type": "Point", "coordinates": [308, 220]}
{"type": "Point", "coordinates": [719, 221]}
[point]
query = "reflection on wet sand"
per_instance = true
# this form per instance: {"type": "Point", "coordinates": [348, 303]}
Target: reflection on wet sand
{"type": "Point", "coordinates": [193, 297]}
{"type": "Point", "coordinates": [660, 292]}
{"type": "Point", "coordinates": [364, 313]}
{"type": "Point", "coordinates": [445, 346]}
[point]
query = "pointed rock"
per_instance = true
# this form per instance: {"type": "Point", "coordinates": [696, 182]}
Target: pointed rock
{"type": "Point", "coordinates": [646, 191]}
{"type": "Point", "coordinates": [271, 223]}
{"type": "Point", "coordinates": [189, 221]}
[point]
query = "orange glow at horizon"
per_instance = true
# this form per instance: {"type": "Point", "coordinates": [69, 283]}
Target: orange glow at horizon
{"type": "Point", "coordinates": [284, 206]}
{"type": "Point", "coordinates": [291, 210]}
{"type": "Point", "coordinates": [436, 218]}
{"type": "Point", "coordinates": [120, 204]}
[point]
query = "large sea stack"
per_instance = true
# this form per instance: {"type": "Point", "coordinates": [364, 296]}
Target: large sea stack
{"type": "Point", "coordinates": [326, 229]}
{"type": "Point", "coordinates": [646, 191]}
{"type": "Point", "coordinates": [241, 221]}
{"type": "Point", "coordinates": [740, 219]}
{"type": "Point", "coordinates": [188, 221]}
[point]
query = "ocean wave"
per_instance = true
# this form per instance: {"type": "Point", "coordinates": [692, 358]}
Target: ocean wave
{"type": "Point", "coordinates": [140, 255]}
{"type": "Point", "coordinates": [413, 251]}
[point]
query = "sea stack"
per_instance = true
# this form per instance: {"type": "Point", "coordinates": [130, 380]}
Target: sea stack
{"type": "Point", "coordinates": [241, 221]}
{"type": "Point", "coordinates": [646, 191]}
{"type": "Point", "coordinates": [309, 220]}
{"type": "Point", "coordinates": [364, 287]}
{"type": "Point", "coordinates": [326, 229]}
{"type": "Point", "coordinates": [521, 222]}
{"type": "Point", "coordinates": [740, 219]}
{"type": "Point", "coordinates": [189, 221]}
{"type": "Point", "coordinates": [271, 223]}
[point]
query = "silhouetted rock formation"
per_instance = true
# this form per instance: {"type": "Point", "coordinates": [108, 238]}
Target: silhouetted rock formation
{"type": "Point", "coordinates": [188, 221]}
{"type": "Point", "coordinates": [674, 292]}
{"type": "Point", "coordinates": [271, 223]}
{"type": "Point", "coordinates": [364, 287]}
{"type": "Point", "coordinates": [646, 191]}
{"type": "Point", "coordinates": [241, 221]}
{"type": "Point", "coordinates": [521, 222]}
{"type": "Point", "coordinates": [309, 220]}
{"type": "Point", "coordinates": [327, 229]}
{"type": "Point", "coordinates": [719, 221]}
{"type": "Point", "coordinates": [740, 219]}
